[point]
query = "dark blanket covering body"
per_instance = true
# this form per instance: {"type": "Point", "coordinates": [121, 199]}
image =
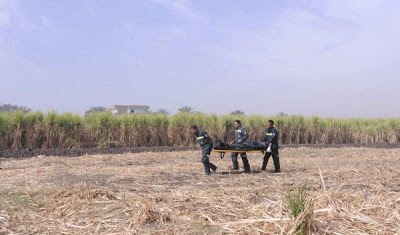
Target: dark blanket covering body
{"type": "Point", "coordinates": [245, 146]}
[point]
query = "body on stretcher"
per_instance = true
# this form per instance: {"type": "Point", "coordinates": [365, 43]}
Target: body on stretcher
{"type": "Point", "coordinates": [245, 147]}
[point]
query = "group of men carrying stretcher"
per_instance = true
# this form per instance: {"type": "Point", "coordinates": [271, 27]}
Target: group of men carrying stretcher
{"type": "Point", "coordinates": [239, 146]}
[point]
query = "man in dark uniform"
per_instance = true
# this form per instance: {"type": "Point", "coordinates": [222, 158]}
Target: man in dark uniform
{"type": "Point", "coordinates": [241, 136]}
{"type": "Point", "coordinates": [206, 148]}
{"type": "Point", "coordinates": [271, 138]}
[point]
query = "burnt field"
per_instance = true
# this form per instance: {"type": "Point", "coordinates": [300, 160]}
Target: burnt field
{"type": "Point", "coordinates": [349, 191]}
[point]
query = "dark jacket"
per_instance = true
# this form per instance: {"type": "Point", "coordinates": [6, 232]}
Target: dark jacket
{"type": "Point", "coordinates": [204, 139]}
{"type": "Point", "coordinates": [240, 134]}
{"type": "Point", "coordinates": [271, 136]}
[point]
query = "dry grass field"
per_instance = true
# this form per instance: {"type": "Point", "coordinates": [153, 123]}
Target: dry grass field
{"type": "Point", "coordinates": [350, 191]}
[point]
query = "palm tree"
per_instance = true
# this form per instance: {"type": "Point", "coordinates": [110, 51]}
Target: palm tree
{"type": "Point", "coordinates": [162, 111]}
{"type": "Point", "coordinates": [96, 109]}
{"type": "Point", "coordinates": [282, 114]}
{"type": "Point", "coordinates": [10, 108]}
{"type": "Point", "coordinates": [237, 112]}
{"type": "Point", "coordinates": [185, 109]}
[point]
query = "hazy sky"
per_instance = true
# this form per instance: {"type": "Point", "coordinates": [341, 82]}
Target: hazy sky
{"type": "Point", "coordinates": [338, 58]}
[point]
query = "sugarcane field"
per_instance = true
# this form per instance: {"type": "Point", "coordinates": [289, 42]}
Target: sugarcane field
{"type": "Point", "coordinates": [200, 117]}
{"type": "Point", "coordinates": [118, 185]}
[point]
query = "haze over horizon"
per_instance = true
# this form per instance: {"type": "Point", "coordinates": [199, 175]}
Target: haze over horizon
{"type": "Point", "coordinates": [330, 58]}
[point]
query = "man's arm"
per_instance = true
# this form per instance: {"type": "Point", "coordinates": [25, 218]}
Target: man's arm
{"type": "Point", "coordinates": [201, 138]}
{"type": "Point", "coordinates": [207, 138]}
{"type": "Point", "coordinates": [204, 138]}
{"type": "Point", "coordinates": [245, 135]}
{"type": "Point", "coordinates": [274, 133]}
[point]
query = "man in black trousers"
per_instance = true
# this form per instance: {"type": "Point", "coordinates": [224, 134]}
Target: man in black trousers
{"type": "Point", "coordinates": [206, 148]}
{"type": "Point", "coordinates": [241, 136]}
{"type": "Point", "coordinates": [271, 138]}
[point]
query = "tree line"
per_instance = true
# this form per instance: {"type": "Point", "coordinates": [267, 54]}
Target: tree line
{"type": "Point", "coordinates": [4, 108]}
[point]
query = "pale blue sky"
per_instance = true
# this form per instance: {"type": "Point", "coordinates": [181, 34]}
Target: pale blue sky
{"type": "Point", "coordinates": [338, 58]}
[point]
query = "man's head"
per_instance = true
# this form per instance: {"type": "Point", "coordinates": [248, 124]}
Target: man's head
{"type": "Point", "coordinates": [270, 124]}
{"type": "Point", "coordinates": [194, 129]}
{"type": "Point", "coordinates": [237, 123]}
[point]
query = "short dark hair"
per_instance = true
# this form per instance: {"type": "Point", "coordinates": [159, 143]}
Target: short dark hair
{"type": "Point", "coordinates": [194, 127]}
{"type": "Point", "coordinates": [238, 121]}
{"type": "Point", "coordinates": [271, 121]}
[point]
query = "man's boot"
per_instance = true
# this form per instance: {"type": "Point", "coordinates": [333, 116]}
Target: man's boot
{"type": "Point", "coordinates": [276, 164]}
{"type": "Point", "coordinates": [265, 161]}
{"type": "Point", "coordinates": [246, 164]}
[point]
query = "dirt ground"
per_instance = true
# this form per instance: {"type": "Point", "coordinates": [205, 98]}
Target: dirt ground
{"type": "Point", "coordinates": [351, 190]}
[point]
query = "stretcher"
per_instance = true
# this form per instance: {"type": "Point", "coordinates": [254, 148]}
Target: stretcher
{"type": "Point", "coordinates": [246, 147]}
{"type": "Point", "coordinates": [222, 151]}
